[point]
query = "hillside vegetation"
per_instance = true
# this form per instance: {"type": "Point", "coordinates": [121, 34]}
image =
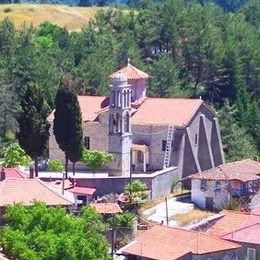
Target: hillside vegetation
{"type": "Point", "coordinates": [73, 18]}
{"type": "Point", "coordinates": [190, 50]}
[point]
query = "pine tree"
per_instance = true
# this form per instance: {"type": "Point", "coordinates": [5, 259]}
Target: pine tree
{"type": "Point", "coordinates": [68, 124]}
{"type": "Point", "coordinates": [34, 127]}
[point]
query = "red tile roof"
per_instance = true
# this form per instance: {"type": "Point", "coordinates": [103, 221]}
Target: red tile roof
{"type": "Point", "coordinates": [13, 173]}
{"type": "Point", "coordinates": [90, 107]}
{"type": "Point", "coordinates": [106, 208]}
{"type": "Point", "coordinates": [230, 221]}
{"type": "Point", "coordinates": [82, 190]}
{"type": "Point", "coordinates": [165, 243]}
{"type": "Point", "coordinates": [247, 234]}
{"type": "Point", "coordinates": [245, 170]}
{"type": "Point", "coordinates": [131, 73]}
{"type": "Point", "coordinates": [160, 111]}
{"type": "Point", "coordinates": [256, 211]}
{"type": "Point", "coordinates": [177, 111]}
{"type": "Point", "coordinates": [26, 191]}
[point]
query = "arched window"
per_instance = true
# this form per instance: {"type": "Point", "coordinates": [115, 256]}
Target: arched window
{"type": "Point", "coordinates": [140, 157]}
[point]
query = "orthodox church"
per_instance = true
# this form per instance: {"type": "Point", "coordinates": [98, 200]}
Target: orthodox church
{"type": "Point", "coordinates": [147, 134]}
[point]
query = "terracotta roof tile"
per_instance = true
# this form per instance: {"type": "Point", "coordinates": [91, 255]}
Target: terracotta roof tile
{"type": "Point", "coordinates": [26, 191]}
{"type": "Point", "coordinates": [162, 242]}
{"type": "Point", "coordinates": [131, 73]}
{"type": "Point", "coordinates": [160, 111]}
{"type": "Point", "coordinates": [247, 234]}
{"type": "Point", "coordinates": [106, 208]}
{"type": "Point", "coordinates": [82, 190]}
{"type": "Point", "coordinates": [256, 210]}
{"type": "Point", "coordinates": [166, 110]}
{"type": "Point", "coordinates": [244, 170]}
{"type": "Point", "coordinates": [231, 220]}
{"type": "Point", "coordinates": [14, 173]}
{"type": "Point", "coordinates": [90, 107]}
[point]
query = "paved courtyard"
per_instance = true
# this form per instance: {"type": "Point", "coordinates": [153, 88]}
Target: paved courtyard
{"type": "Point", "coordinates": [158, 213]}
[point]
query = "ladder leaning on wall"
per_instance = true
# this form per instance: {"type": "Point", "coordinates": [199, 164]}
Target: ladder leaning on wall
{"type": "Point", "coordinates": [168, 148]}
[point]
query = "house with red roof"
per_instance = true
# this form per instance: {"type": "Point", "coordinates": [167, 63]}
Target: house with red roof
{"type": "Point", "coordinates": [213, 188]}
{"type": "Point", "coordinates": [147, 134]}
{"type": "Point", "coordinates": [164, 243]}
{"type": "Point", "coordinates": [15, 187]}
{"type": "Point", "coordinates": [242, 228]}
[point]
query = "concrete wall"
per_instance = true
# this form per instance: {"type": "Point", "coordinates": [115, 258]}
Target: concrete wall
{"type": "Point", "coordinates": [220, 196]}
{"type": "Point", "coordinates": [159, 183]}
{"type": "Point", "coordinates": [243, 250]}
{"type": "Point", "coordinates": [223, 255]}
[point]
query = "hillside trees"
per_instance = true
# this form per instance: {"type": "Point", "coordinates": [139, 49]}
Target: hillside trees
{"type": "Point", "coordinates": [41, 232]}
{"type": "Point", "coordinates": [33, 135]}
{"type": "Point", "coordinates": [190, 50]}
{"type": "Point", "coordinates": [67, 125]}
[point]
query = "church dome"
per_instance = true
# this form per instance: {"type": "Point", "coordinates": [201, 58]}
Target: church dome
{"type": "Point", "coordinates": [119, 79]}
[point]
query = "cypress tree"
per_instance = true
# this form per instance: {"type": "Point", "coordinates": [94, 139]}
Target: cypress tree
{"type": "Point", "coordinates": [68, 125]}
{"type": "Point", "coordinates": [34, 127]}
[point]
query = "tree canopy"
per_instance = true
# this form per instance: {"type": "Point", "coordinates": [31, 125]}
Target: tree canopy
{"type": "Point", "coordinates": [190, 49]}
{"type": "Point", "coordinates": [41, 232]}
{"type": "Point", "coordinates": [67, 125]}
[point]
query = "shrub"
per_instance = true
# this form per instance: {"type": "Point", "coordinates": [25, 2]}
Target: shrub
{"type": "Point", "coordinates": [55, 165]}
{"type": "Point", "coordinates": [8, 10]}
{"type": "Point", "coordinates": [125, 219]}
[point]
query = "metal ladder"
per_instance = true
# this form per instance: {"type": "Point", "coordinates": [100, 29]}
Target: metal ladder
{"type": "Point", "coordinates": [168, 149]}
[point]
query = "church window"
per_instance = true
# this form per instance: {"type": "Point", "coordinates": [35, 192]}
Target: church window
{"type": "Point", "coordinates": [164, 142]}
{"type": "Point", "coordinates": [115, 123]}
{"type": "Point", "coordinates": [113, 99]}
{"type": "Point", "coordinates": [196, 139]}
{"type": "Point", "coordinates": [118, 99]}
{"type": "Point", "coordinates": [126, 123]}
{"type": "Point", "coordinates": [140, 157]}
{"type": "Point", "coordinates": [87, 142]}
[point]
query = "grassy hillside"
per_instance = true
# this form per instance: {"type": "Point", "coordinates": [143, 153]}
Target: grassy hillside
{"type": "Point", "coordinates": [73, 18]}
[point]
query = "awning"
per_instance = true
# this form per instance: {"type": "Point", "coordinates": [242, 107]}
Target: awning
{"type": "Point", "coordinates": [82, 190]}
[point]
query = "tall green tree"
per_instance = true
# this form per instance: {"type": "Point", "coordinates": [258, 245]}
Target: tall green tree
{"type": "Point", "coordinates": [68, 124]}
{"type": "Point", "coordinates": [41, 232]}
{"type": "Point", "coordinates": [33, 135]}
{"type": "Point", "coordinates": [237, 143]}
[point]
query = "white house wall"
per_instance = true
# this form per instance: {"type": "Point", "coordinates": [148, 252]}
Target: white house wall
{"type": "Point", "coordinates": [220, 197]}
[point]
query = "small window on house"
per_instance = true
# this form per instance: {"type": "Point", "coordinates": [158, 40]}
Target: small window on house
{"type": "Point", "coordinates": [196, 139]}
{"type": "Point", "coordinates": [164, 142]}
{"type": "Point", "coordinates": [140, 157]}
{"type": "Point", "coordinates": [217, 187]}
{"type": "Point", "coordinates": [251, 254]}
{"type": "Point", "coordinates": [87, 142]}
{"type": "Point", "coordinates": [203, 185]}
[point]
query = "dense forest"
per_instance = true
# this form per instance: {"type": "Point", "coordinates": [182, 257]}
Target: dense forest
{"type": "Point", "coordinates": [190, 50]}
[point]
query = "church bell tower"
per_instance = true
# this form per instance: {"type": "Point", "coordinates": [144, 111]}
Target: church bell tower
{"type": "Point", "coordinates": [120, 137]}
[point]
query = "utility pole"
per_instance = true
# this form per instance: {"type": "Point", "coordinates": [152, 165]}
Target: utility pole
{"type": "Point", "coordinates": [113, 235]}
{"type": "Point", "coordinates": [63, 183]}
{"type": "Point", "coordinates": [167, 215]}
{"type": "Point", "coordinates": [131, 172]}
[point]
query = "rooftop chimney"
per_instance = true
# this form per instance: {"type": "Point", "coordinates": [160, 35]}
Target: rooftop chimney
{"type": "Point", "coordinates": [3, 176]}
